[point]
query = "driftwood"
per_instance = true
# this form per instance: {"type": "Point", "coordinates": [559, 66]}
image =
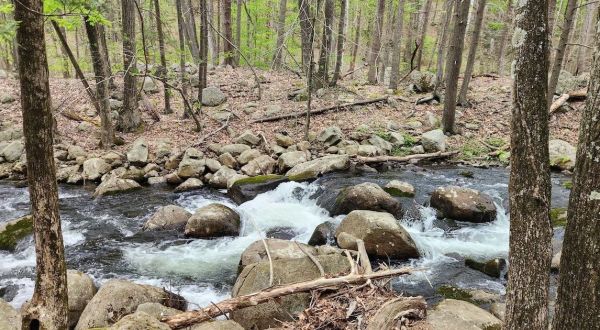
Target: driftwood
{"type": "Point", "coordinates": [572, 96]}
{"type": "Point", "coordinates": [187, 319]}
{"type": "Point", "coordinates": [405, 159]}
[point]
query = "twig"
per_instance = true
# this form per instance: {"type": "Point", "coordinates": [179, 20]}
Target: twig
{"type": "Point", "coordinates": [313, 259]}
{"type": "Point", "coordinates": [270, 262]}
{"type": "Point", "coordinates": [364, 257]}
{"type": "Point", "coordinates": [351, 261]}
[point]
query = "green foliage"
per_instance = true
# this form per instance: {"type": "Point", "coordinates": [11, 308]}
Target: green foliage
{"type": "Point", "coordinates": [495, 26]}
{"type": "Point", "coordinates": [473, 149]}
{"type": "Point", "coordinates": [495, 141]}
{"type": "Point", "coordinates": [383, 134]}
{"type": "Point", "coordinates": [399, 151]}
{"type": "Point", "coordinates": [8, 27]}
{"type": "Point", "coordinates": [14, 232]}
{"type": "Point", "coordinates": [568, 184]}
{"type": "Point", "coordinates": [409, 140]}
{"type": "Point", "coordinates": [450, 292]}
{"type": "Point", "coordinates": [558, 216]}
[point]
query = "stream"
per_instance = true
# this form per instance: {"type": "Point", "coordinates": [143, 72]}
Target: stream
{"type": "Point", "coordinates": [103, 236]}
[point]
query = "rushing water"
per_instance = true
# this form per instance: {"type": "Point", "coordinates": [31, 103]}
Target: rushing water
{"type": "Point", "coordinates": [103, 236]}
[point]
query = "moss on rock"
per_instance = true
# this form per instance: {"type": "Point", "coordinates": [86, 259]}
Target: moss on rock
{"type": "Point", "coordinates": [259, 179]}
{"type": "Point", "coordinates": [558, 216]}
{"type": "Point", "coordinates": [13, 231]}
{"type": "Point", "coordinates": [451, 292]}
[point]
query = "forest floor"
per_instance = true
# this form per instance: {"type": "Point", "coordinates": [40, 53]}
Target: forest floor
{"type": "Point", "coordinates": [485, 123]}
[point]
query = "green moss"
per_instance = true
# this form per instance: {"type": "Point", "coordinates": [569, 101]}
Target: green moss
{"type": "Point", "coordinates": [409, 140]}
{"type": "Point", "coordinates": [383, 134]}
{"type": "Point", "coordinates": [259, 179]}
{"type": "Point", "coordinates": [473, 149]}
{"type": "Point", "coordinates": [399, 151]}
{"type": "Point", "coordinates": [397, 192]}
{"type": "Point", "coordinates": [558, 216]}
{"type": "Point", "coordinates": [495, 141]}
{"type": "Point", "coordinates": [504, 157]}
{"type": "Point", "coordinates": [491, 267]}
{"type": "Point", "coordinates": [568, 184]}
{"type": "Point", "coordinates": [304, 176]}
{"type": "Point", "coordinates": [450, 292]}
{"type": "Point", "coordinates": [15, 231]}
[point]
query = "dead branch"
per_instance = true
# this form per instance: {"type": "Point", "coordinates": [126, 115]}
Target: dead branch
{"type": "Point", "coordinates": [313, 259]}
{"type": "Point", "coordinates": [187, 319]}
{"type": "Point", "coordinates": [572, 96]}
{"type": "Point", "coordinates": [70, 114]}
{"type": "Point", "coordinates": [405, 159]}
{"type": "Point", "coordinates": [365, 263]}
{"type": "Point", "coordinates": [270, 262]}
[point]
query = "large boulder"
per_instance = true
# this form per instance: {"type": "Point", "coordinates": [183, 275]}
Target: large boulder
{"type": "Point", "coordinates": [278, 249]}
{"type": "Point", "coordinates": [192, 164]}
{"type": "Point", "coordinates": [189, 185]}
{"type": "Point", "coordinates": [157, 310]}
{"type": "Point", "coordinates": [562, 154]}
{"type": "Point", "coordinates": [463, 204]}
{"type": "Point", "coordinates": [569, 83]}
{"type": "Point", "coordinates": [13, 151]}
{"type": "Point", "coordinates": [81, 289]}
{"type": "Point", "coordinates": [139, 321]}
{"type": "Point", "coordinates": [331, 136]}
{"type": "Point", "coordinates": [218, 325]}
{"type": "Point", "coordinates": [290, 159]}
{"type": "Point", "coordinates": [9, 317]}
{"type": "Point", "coordinates": [170, 217]}
{"type": "Point", "coordinates": [213, 220]}
{"type": "Point", "coordinates": [366, 196]}
{"type": "Point", "coordinates": [451, 314]}
{"type": "Point", "coordinates": [422, 81]}
{"type": "Point", "coordinates": [378, 141]}
{"type": "Point", "coordinates": [434, 140]}
{"type": "Point", "coordinates": [75, 152]}
{"type": "Point", "coordinates": [399, 188]}
{"type": "Point", "coordinates": [246, 189]}
{"type": "Point", "coordinates": [380, 231]}
{"type": "Point", "coordinates": [212, 96]}
{"type": "Point", "coordinates": [149, 85]}
{"type": "Point", "coordinates": [117, 298]}
{"type": "Point", "coordinates": [138, 154]}
{"type": "Point", "coordinates": [115, 185]}
{"type": "Point", "coordinates": [283, 140]}
{"type": "Point", "coordinates": [220, 178]}
{"type": "Point", "coordinates": [316, 167]}
{"type": "Point", "coordinates": [13, 231]}
{"type": "Point", "coordinates": [235, 149]}
{"type": "Point", "coordinates": [259, 166]}
{"type": "Point", "coordinates": [248, 155]}
{"type": "Point", "coordinates": [323, 234]}
{"type": "Point", "coordinates": [255, 277]}
{"type": "Point", "coordinates": [94, 168]}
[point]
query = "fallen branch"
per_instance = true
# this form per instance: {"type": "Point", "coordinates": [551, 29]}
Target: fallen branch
{"type": "Point", "coordinates": [70, 114]}
{"type": "Point", "coordinates": [320, 111]}
{"type": "Point", "coordinates": [405, 159]}
{"type": "Point", "coordinates": [187, 319]}
{"type": "Point", "coordinates": [572, 96]}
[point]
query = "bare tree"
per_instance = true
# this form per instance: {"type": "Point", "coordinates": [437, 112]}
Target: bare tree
{"type": "Point", "coordinates": [397, 49]}
{"type": "Point", "coordinates": [280, 34]}
{"type": "Point", "coordinates": [506, 25]}
{"type": "Point", "coordinates": [376, 43]}
{"type": "Point", "coordinates": [163, 58]}
{"type": "Point", "coordinates": [441, 47]}
{"type": "Point", "coordinates": [129, 118]}
{"type": "Point", "coordinates": [529, 186]}
{"type": "Point", "coordinates": [356, 40]}
{"type": "Point", "coordinates": [474, 42]}
{"type": "Point", "coordinates": [340, 42]}
{"type": "Point", "coordinates": [561, 48]}
{"type": "Point", "coordinates": [238, 30]}
{"type": "Point", "coordinates": [304, 16]}
{"type": "Point", "coordinates": [48, 308]}
{"type": "Point", "coordinates": [453, 62]}
{"type": "Point", "coordinates": [322, 77]}
{"type": "Point", "coordinates": [229, 54]}
{"type": "Point", "coordinates": [181, 37]}
{"type": "Point", "coordinates": [424, 24]}
{"type": "Point", "coordinates": [203, 65]}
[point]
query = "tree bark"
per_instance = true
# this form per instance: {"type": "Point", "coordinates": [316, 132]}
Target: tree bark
{"type": "Point", "coordinates": [376, 43]}
{"type": "Point", "coordinates": [190, 29]}
{"type": "Point", "coordinates": [104, 46]}
{"type": "Point", "coordinates": [439, 74]}
{"type": "Point", "coordinates": [98, 61]}
{"type": "Point", "coordinates": [203, 66]}
{"type": "Point", "coordinates": [181, 37]}
{"type": "Point", "coordinates": [340, 42]}
{"type": "Point", "coordinates": [322, 77]}
{"type": "Point", "coordinates": [48, 308]}
{"type": "Point", "coordinates": [129, 118]}
{"type": "Point", "coordinates": [356, 40]}
{"type": "Point", "coordinates": [163, 58]}
{"type": "Point", "coordinates": [561, 48]}
{"type": "Point", "coordinates": [384, 55]}
{"type": "Point", "coordinates": [238, 30]}
{"type": "Point", "coordinates": [462, 97]}
{"type": "Point", "coordinates": [397, 49]}
{"type": "Point", "coordinates": [453, 62]}
{"type": "Point", "coordinates": [578, 303]}
{"type": "Point", "coordinates": [280, 34]}
{"type": "Point", "coordinates": [529, 185]}
{"type": "Point", "coordinates": [503, 37]}
{"type": "Point", "coordinates": [422, 33]}
{"type": "Point", "coordinates": [229, 53]}
{"type": "Point", "coordinates": [305, 32]}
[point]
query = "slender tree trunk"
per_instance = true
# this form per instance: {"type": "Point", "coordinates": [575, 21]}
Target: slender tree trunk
{"type": "Point", "coordinates": [340, 42]}
{"type": "Point", "coordinates": [203, 67]}
{"type": "Point", "coordinates": [227, 47]}
{"type": "Point", "coordinates": [238, 30]}
{"type": "Point", "coordinates": [408, 48]}
{"type": "Point", "coordinates": [422, 33]}
{"type": "Point", "coordinates": [129, 118]}
{"type": "Point", "coordinates": [216, 21]}
{"type": "Point", "coordinates": [48, 308]}
{"type": "Point", "coordinates": [578, 304]}
{"type": "Point", "coordinates": [439, 75]}
{"type": "Point", "coordinates": [376, 43]}
{"type": "Point", "coordinates": [189, 28]}
{"type": "Point", "coordinates": [322, 78]}
{"type": "Point", "coordinates": [453, 62]}
{"type": "Point", "coordinates": [503, 37]}
{"type": "Point", "coordinates": [102, 95]}
{"type": "Point", "coordinates": [529, 186]}
{"type": "Point", "coordinates": [311, 67]}
{"type": "Point", "coordinates": [356, 41]}
{"type": "Point", "coordinates": [384, 56]}
{"type": "Point", "coordinates": [551, 9]}
{"type": "Point", "coordinates": [561, 48]}
{"type": "Point", "coordinates": [305, 32]}
{"type": "Point", "coordinates": [589, 34]}
{"type": "Point", "coordinates": [163, 58]}
{"type": "Point", "coordinates": [64, 57]}
{"type": "Point", "coordinates": [181, 37]}
{"type": "Point", "coordinates": [280, 34]}
{"type": "Point", "coordinates": [104, 46]}
{"type": "Point", "coordinates": [462, 97]}
{"type": "Point", "coordinates": [397, 49]}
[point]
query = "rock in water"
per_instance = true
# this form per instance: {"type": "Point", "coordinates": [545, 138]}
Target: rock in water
{"type": "Point", "coordinates": [400, 189]}
{"type": "Point", "coordinates": [246, 189]}
{"type": "Point", "coordinates": [383, 236]}
{"type": "Point", "coordinates": [434, 141]}
{"type": "Point", "coordinates": [189, 184]}
{"type": "Point", "coordinates": [366, 196]}
{"type": "Point", "coordinates": [13, 151]}
{"type": "Point", "coordinates": [115, 185]}
{"type": "Point", "coordinates": [463, 204]}
{"type": "Point", "coordinates": [81, 289]}
{"type": "Point", "coordinates": [170, 217]}
{"type": "Point", "coordinates": [9, 317]}
{"type": "Point", "coordinates": [220, 178]}
{"type": "Point", "coordinates": [262, 165]}
{"type": "Point", "coordinates": [212, 96]}
{"type": "Point", "coordinates": [278, 249]}
{"type": "Point", "coordinates": [562, 154]}
{"type": "Point", "coordinates": [493, 267]}
{"type": "Point", "coordinates": [290, 159]}
{"type": "Point", "coordinates": [213, 220]}
{"type": "Point", "coordinates": [94, 168]}
{"type": "Point", "coordinates": [453, 314]}
{"type": "Point", "coordinates": [323, 234]}
{"type": "Point", "coordinates": [13, 231]}
{"type": "Point", "coordinates": [192, 164]}
{"type": "Point", "coordinates": [316, 167]}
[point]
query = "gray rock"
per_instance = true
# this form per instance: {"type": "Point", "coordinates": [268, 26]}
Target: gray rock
{"type": "Point", "coordinates": [234, 149]}
{"type": "Point", "coordinates": [283, 140]}
{"type": "Point", "coordinates": [7, 98]}
{"type": "Point", "coordinates": [63, 173]}
{"type": "Point", "coordinates": [451, 314]}
{"type": "Point", "coordinates": [156, 180]}
{"type": "Point", "coordinates": [323, 234]}
{"type": "Point", "coordinates": [220, 178]}
{"type": "Point", "coordinates": [213, 96]}
{"type": "Point", "coordinates": [245, 189]}
{"type": "Point", "coordinates": [316, 167]}
{"type": "Point", "coordinates": [278, 249]}
{"type": "Point", "coordinates": [272, 109]}
{"type": "Point", "coordinates": [562, 154]}
{"type": "Point", "coordinates": [13, 151]}
{"type": "Point", "coordinates": [163, 148]}
{"type": "Point", "coordinates": [259, 166]}
{"type": "Point", "coordinates": [396, 139]}
{"type": "Point", "coordinates": [138, 154]}
{"type": "Point", "coordinates": [381, 143]}
{"type": "Point", "coordinates": [463, 204]}
{"type": "Point", "coordinates": [434, 141]}
{"type": "Point", "coordinates": [400, 188]}
{"type": "Point", "coordinates": [94, 168]}
{"type": "Point", "coordinates": [228, 160]}
{"type": "Point", "coordinates": [157, 310]}
{"type": "Point", "coordinates": [386, 315]}
{"type": "Point", "coordinates": [213, 165]}
{"type": "Point", "coordinates": [423, 81]}
{"type": "Point", "coordinates": [290, 159]}
{"type": "Point", "coordinates": [115, 104]}
{"type": "Point", "coordinates": [249, 138]}
{"type": "Point", "coordinates": [192, 164]}
{"type": "Point", "coordinates": [555, 264]}
{"type": "Point", "coordinates": [81, 289]}
{"type": "Point", "coordinates": [331, 135]}
{"type": "Point", "coordinates": [10, 319]}
{"type": "Point", "coordinates": [498, 310]}
{"type": "Point", "coordinates": [189, 184]}
{"type": "Point", "coordinates": [248, 155]}
{"type": "Point", "coordinates": [365, 150]}
{"type": "Point", "coordinates": [218, 325]}
{"type": "Point", "coordinates": [76, 151]}
{"type": "Point", "coordinates": [366, 196]}
{"type": "Point", "coordinates": [115, 185]}
{"type": "Point", "coordinates": [213, 220]}
{"type": "Point", "coordinates": [139, 321]}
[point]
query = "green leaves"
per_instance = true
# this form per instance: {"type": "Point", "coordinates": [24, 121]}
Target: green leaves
{"type": "Point", "coordinates": [68, 13]}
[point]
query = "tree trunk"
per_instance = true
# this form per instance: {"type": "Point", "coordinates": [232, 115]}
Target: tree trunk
{"type": "Point", "coordinates": [529, 185]}
{"type": "Point", "coordinates": [422, 33]}
{"type": "Point", "coordinates": [64, 57]}
{"type": "Point", "coordinates": [408, 48]}
{"type": "Point", "coordinates": [305, 32]}
{"type": "Point", "coordinates": [453, 62]}
{"type": "Point", "coordinates": [397, 49]}
{"type": "Point", "coordinates": [322, 77]}
{"type": "Point", "coordinates": [589, 34]}
{"type": "Point", "coordinates": [311, 67]}
{"type": "Point", "coordinates": [376, 44]}
{"type": "Point", "coordinates": [98, 61]}
{"type": "Point", "coordinates": [462, 97]}
{"type": "Point", "coordinates": [104, 46]}
{"type": "Point", "coordinates": [551, 18]}
{"type": "Point", "coordinates": [280, 34]}
{"type": "Point", "coordinates": [340, 42]}
{"type": "Point", "coordinates": [228, 38]}
{"type": "Point", "coordinates": [203, 67]}
{"type": "Point", "coordinates": [163, 58]}
{"type": "Point", "coordinates": [560, 48]}
{"type": "Point", "coordinates": [503, 37]}
{"type": "Point", "coordinates": [439, 74]}
{"type": "Point", "coordinates": [129, 118]}
{"type": "Point", "coordinates": [48, 308]}
{"type": "Point", "coordinates": [181, 37]}
{"type": "Point", "coordinates": [356, 40]}
{"type": "Point", "coordinates": [384, 56]}
{"type": "Point", "coordinates": [238, 30]}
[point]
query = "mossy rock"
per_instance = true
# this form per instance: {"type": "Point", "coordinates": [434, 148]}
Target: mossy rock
{"type": "Point", "coordinates": [451, 292]}
{"type": "Point", "coordinates": [302, 177]}
{"type": "Point", "coordinates": [246, 189]}
{"type": "Point", "coordinates": [568, 184]}
{"type": "Point", "coordinates": [259, 179]}
{"type": "Point", "coordinates": [558, 216]}
{"type": "Point", "coordinates": [467, 174]}
{"type": "Point", "coordinates": [397, 192]}
{"type": "Point", "coordinates": [13, 231]}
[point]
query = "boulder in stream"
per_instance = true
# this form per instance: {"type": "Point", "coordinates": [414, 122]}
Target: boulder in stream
{"type": "Point", "coordinates": [189, 184]}
{"type": "Point", "coordinates": [170, 217]}
{"type": "Point", "coordinates": [323, 234]}
{"type": "Point", "coordinates": [213, 220]}
{"type": "Point", "coordinates": [94, 168]}
{"type": "Point", "coordinates": [115, 185]}
{"type": "Point", "coordinates": [138, 154]}
{"type": "Point", "coordinates": [494, 267]}
{"type": "Point", "coordinates": [316, 167]}
{"type": "Point", "coordinates": [562, 154]}
{"type": "Point", "coordinates": [463, 204]}
{"type": "Point", "coordinates": [13, 231]}
{"type": "Point", "coordinates": [218, 325]}
{"type": "Point", "coordinates": [139, 321]}
{"type": "Point", "coordinates": [246, 189]}
{"type": "Point", "coordinates": [400, 188]}
{"type": "Point", "coordinates": [451, 314]}
{"type": "Point", "coordinates": [278, 249]}
{"type": "Point", "coordinates": [81, 289]}
{"type": "Point", "coordinates": [366, 196]}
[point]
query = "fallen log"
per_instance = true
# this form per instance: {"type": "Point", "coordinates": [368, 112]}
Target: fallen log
{"type": "Point", "coordinates": [187, 319]}
{"type": "Point", "coordinates": [72, 115]}
{"type": "Point", "coordinates": [320, 111]}
{"type": "Point", "coordinates": [405, 159]}
{"type": "Point", "coordinates": [571, 96]}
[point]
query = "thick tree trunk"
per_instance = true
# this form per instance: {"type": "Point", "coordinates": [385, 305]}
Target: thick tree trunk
{"type": "Point", "coordinates": [578, 303]}
{"type": "Point", "coordinates": [453, 62]}
{"type": "Point", "coordinates": [503, 37]}
{"type": "Point", "coordinates": [376, 43]}
{"type": "Point", "coordinates": [48, 308]}
{"type": "Point", "coordinates": [397, 49]}
{"type": "Point", "coordinates": [305, 32]}
{"type": "Point", "coordinates": [561, 48]}
{"type": "Point", "coordinates": [228, 36]}
{"type": "Point", "coordinates": [424, 24]}
{"type": "Point", "coordinates": [356, 40]}
{"type": "Point", "coordinates": [462, 97]}
{"type": "Point", "coordinates": [129, 118]}
{"type": "Point", "coordinates": [106, 133]}
{"type": "Point", "coordinates": [340, 42]}
{"type": "Point", "coordinates": [322, 77]}
{"type": "Point", "coordinates": [203, 66]}
{"type": "Point", "coordinates": [280, 34]}
{"type": "Point", "coordinates": [529, 185]}
{"type": "Point", "coordinates": [163, 58]}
